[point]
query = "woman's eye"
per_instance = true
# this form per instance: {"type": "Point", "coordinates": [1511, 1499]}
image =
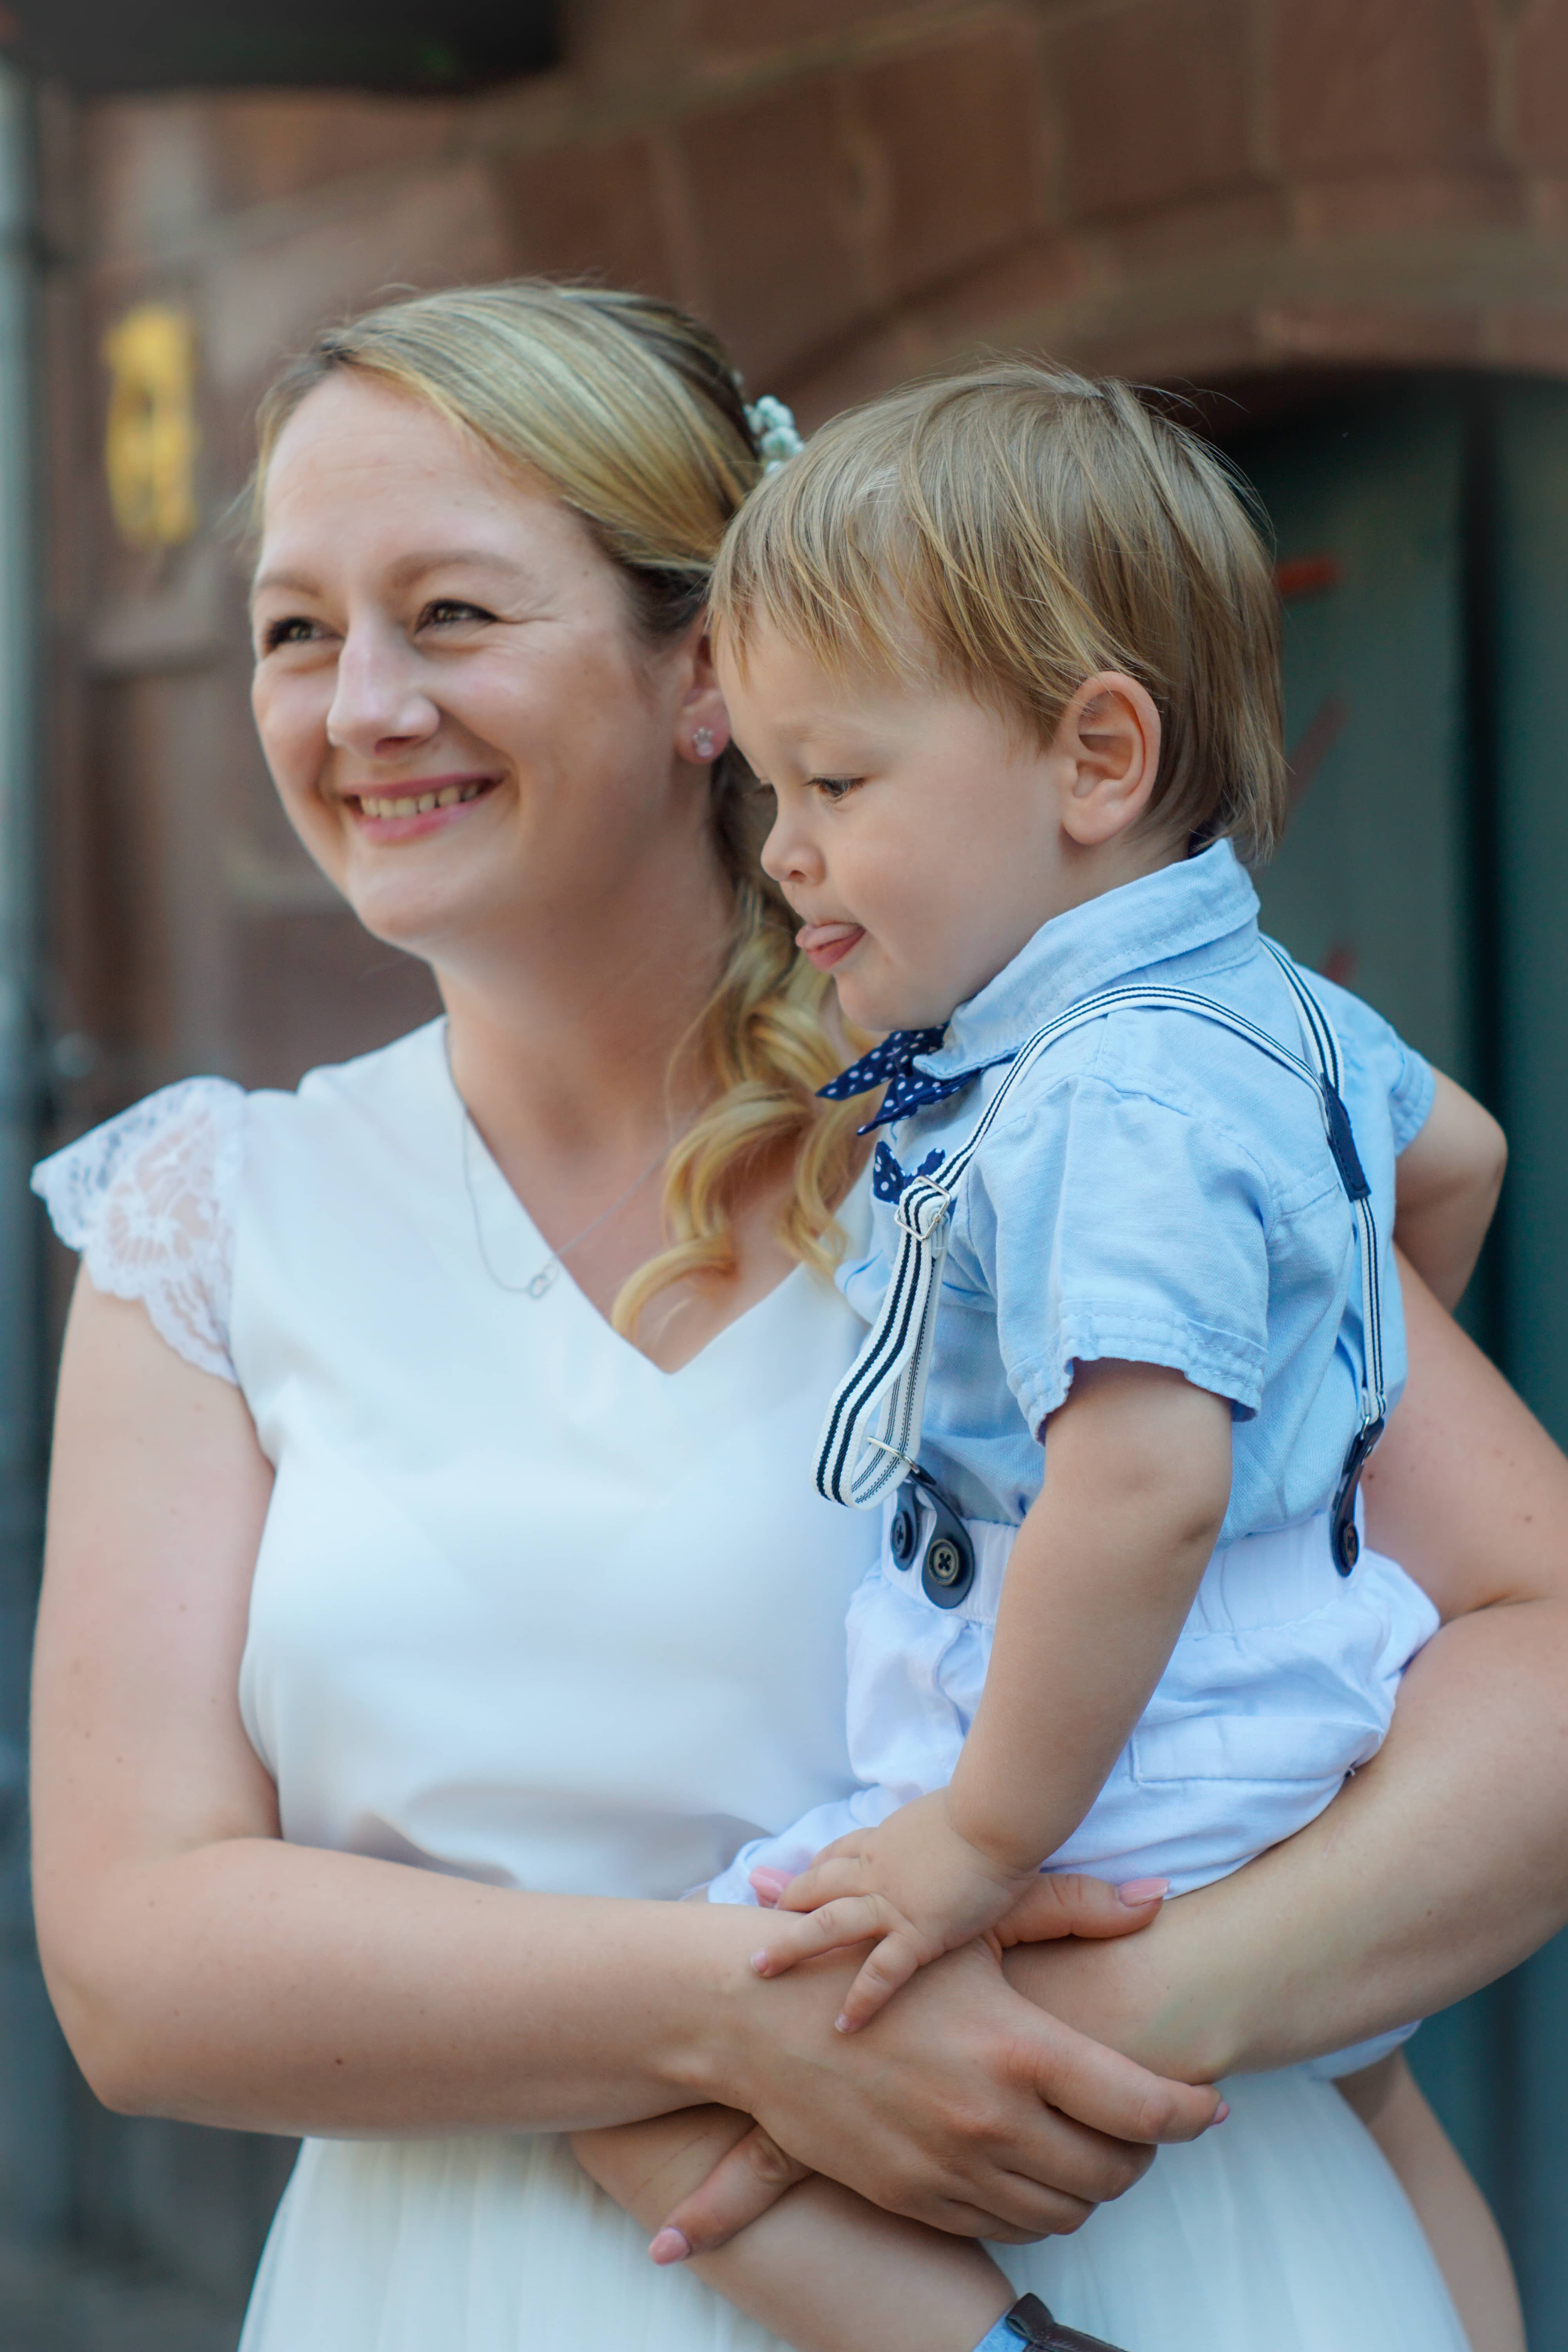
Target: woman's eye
{"type": "Point", "coordinates": [450, 612]}
{"type": "Point", "coordinates": [834, 788]}
{"type": "Point", "coordinates": [296, 630]}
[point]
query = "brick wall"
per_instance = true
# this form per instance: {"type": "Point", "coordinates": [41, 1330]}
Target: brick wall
{"type": "Point", "coordinates": [1179, 189]}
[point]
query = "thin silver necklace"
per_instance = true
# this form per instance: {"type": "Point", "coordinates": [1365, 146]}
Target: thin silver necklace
{"type": "Point", "coordinates": [539, 1282]}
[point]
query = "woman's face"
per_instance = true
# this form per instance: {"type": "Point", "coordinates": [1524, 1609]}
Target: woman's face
{"type": "Point", "coordinates": [468, 735]}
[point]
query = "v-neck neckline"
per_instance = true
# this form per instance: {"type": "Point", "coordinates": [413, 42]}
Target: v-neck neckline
{"type": "Point", "coordinates": [482, 1179]}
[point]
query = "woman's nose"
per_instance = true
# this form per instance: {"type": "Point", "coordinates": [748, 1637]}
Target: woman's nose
{"type": "Point", "coordinates": [378, 699]}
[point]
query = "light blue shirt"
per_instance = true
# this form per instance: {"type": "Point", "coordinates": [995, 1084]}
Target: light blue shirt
{"type": "Point", "coordinates": [1156, 1190]}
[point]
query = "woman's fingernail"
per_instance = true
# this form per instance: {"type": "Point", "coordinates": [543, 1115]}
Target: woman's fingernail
{"type": "Point", "coordinates": [1221, 2112]}
{"type": "Point", "coordinates": [670, 2246]}
{"type": "Point", "coordinates": [760, 1962]}
{"type": "Point", "coordinates": [841, 2025]}
{"type": "Point", "coordinates": [1144, 1890]}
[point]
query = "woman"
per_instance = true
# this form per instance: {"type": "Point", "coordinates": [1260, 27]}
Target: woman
{"type": "Point", "coordinates": [498, 1569]}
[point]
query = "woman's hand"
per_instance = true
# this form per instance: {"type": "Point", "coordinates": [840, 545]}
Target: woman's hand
{"type": "Point", "coordinates": [962, 2106]}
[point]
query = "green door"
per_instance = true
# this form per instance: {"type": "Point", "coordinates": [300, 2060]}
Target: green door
{"type": "Point", "coordinates": [1422, 530]}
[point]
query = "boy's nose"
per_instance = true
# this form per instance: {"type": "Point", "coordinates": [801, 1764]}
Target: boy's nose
{"type": "Point", "coordinates": [790, 855]}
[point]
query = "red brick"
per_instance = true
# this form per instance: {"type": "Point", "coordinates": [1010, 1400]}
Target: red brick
{"type": "Point", "coordinates": [724, 29]}
{"type": "Point", "coordinates": [1383, 203]}
{"type": "Point", "coordinates": [1201, 349]}
{"type": "Point", "coordinates": [1540, 81]}
{"type": "Point", "coordinates": [997, 306]}
{"type": "Point", "coordinates": [626, 46]}
{"type": "Point", "coordinates": [779, 209]}
{"type": "Point", "coordinates": [433, 229]}
{"type": "Point", "coordinates": [1000, 305]}
{"type": "Point", "coordinates": [1361, 82]}
{"type": "Point", "coordinates": [887, 353]}
{"type": "Point", "coordinates": [590, 212]}
{"type": "Point", "coordinates": [148, 165]}
{"type": "Point", "coordinates": [957, 131]}
{"type": "Point", "coordinates": [1152, 102]}
{"type": "Point", "coordinates": [1210, 230]}
{"type": "Point", "coordinates": [277, 144]}
{"type": "Point", "coordinates": [1381, 334]}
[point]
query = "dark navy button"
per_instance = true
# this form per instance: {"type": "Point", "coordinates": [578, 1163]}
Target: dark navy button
{"type": "Point", "coordinates": [949, 1569]}
{"type": "Point", "coordinates": [903, 1534]}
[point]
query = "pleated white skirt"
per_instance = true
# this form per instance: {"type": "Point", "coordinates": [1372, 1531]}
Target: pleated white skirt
{"type": "Point", "coordinates": [1281, 2231]}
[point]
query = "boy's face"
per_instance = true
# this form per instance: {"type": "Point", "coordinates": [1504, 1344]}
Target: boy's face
{"type": "Point", "coordinates": [918, 835]}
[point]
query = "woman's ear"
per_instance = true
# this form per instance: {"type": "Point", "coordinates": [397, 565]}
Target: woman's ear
{"type": "Point", "coordinates": [1106, 752]}
{"type": "Point", "coordinates": [702, 723]}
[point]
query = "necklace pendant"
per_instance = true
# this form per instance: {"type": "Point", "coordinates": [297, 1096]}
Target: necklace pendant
{"type": "Point", "coordinates": [542, 1281]}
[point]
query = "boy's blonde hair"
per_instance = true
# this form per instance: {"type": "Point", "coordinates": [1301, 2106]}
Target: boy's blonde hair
{"type": "Point", "coordinates": [1023, 528]}
{"type": "Point", "coordinates": [632, 413]}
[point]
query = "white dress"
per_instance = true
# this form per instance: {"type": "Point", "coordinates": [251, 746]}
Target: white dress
{"type": "Point", "coordinates": [530, 1610]}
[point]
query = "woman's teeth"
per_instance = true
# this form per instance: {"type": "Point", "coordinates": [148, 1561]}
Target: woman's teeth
{"type": "Point", "coordinates": [421, 807]}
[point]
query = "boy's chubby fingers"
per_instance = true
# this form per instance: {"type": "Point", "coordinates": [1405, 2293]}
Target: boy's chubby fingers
{"type": "Point", "coordinates": [794, 1937]}
{"type": "Point", "coordinates": [829, 1877]}
{"type": "Point", "coordinates": [1052, 1906]}
{"type": "Point", "coordinates": [741, 2188]}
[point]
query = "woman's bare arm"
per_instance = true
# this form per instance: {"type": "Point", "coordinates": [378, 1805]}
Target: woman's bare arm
{"type": "Point", "coordinates": [204, 1968]}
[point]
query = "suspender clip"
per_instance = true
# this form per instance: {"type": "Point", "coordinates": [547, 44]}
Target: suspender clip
{"type": "Point", "coordinates": [1342, 1535]}
{"type": "Point", "coordinates": [947, 1570]}
{"type": "Point", "coordinates": [1342, 1143]}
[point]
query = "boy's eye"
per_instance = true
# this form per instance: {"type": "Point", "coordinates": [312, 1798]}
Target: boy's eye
{"type": "Point", "coordinates": [834, 788]}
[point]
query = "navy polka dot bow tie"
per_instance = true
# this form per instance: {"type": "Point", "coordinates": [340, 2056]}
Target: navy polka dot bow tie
{"type": "Point", "coordinates": [892, 1063]}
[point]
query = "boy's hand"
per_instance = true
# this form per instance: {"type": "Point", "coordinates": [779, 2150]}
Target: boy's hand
{"type": "Point", "coordinates": [913, 1883]}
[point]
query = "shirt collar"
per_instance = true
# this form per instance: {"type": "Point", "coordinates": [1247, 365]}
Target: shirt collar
{"type": "Point", "coordinates": [1178, 909]}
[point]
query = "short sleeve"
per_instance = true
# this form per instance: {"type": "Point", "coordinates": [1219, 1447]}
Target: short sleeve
{"type": "Point", "coordinates": [1410, 1096]}
{"type": "Point", "coordinates": [149, 1199]}
{"type": "Point", "coordinates": [1124, 1226]}
{"type": "Point", "coordinates": [1389, 1067]}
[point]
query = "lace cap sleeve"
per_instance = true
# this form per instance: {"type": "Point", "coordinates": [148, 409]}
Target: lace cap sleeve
{"type": "Point", "coordinates": [149, 1199]}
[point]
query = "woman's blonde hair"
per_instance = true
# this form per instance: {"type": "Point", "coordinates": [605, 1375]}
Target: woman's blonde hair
{"type": "Point", "coordinates": [1021, 528]}
{"type": "Point", "coordinates": [632, 412]}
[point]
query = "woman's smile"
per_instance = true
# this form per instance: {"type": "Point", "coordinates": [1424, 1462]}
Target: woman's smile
{"type": "Point", "coordinates": [412, 810]}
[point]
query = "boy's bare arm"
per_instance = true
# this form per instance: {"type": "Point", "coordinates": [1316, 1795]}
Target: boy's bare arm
{"type": "Point", "coordinates": [1447, 1183]}
{"type": "Point", "coordinates": [1099, 1586]}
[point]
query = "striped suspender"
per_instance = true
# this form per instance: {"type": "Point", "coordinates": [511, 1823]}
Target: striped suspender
{"type": "Point", "coordinates": [870, 1439]}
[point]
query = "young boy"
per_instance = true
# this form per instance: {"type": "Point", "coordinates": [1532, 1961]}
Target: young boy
{"type": "Point", "coordinates": [1005, 650]}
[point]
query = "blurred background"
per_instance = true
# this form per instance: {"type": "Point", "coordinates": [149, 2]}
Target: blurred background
{"type": "Point", "coordinates": [1341, 226]}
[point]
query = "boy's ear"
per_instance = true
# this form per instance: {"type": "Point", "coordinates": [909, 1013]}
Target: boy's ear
{"type": "Point", "coordinates": [1107, 753]}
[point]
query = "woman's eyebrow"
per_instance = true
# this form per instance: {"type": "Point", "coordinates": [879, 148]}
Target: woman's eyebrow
{"type": "Point", "coordinates": [407, 567]}
{"type": "Point", "coordinates": [299, 581]}
{"type": "Point", "coordinates": [438, 558]}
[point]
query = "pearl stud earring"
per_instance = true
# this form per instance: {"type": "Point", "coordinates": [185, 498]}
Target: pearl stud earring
{"type": "Point", "coordinates": [703, 742]}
